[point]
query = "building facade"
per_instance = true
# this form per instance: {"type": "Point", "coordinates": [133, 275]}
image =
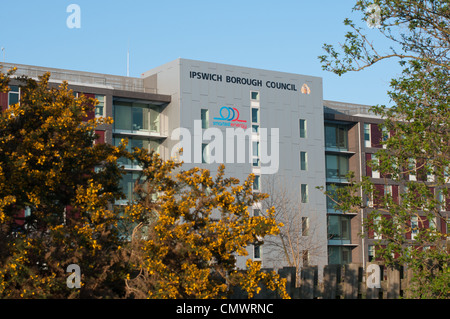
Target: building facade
{"type": "Point", "coordinates": [271, 124]}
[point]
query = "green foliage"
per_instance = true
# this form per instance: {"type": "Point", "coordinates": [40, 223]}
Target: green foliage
{"type": "Point", "coordinates": [418, 141]}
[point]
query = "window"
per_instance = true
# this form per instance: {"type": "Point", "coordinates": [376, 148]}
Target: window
{"type": "Point", "coordinates": [255, 153]}
{"type": "Point", "coordinates": [376, 162]}
{"type": "Point", "coordinates": [385, 134]}
{"type": "Point", "coordinates": [127, 185]}
{"type": "Point", "coordinates": [100, 107]}
{"type": "Point", "coordinates": [136, 142]}
{"type": "Point", "coordinates": [205, 118]}
{"type": "Point", "coordinates": [336, 166]}
{"type": "Point", "coordinates": [303, 161]}
{"type": "Point", "coordinates": [339, 227]}
{"type": "Point", "coordinates": [255, 115]}
{"type": "Point", "coordinates": [256, 183]}
{"type": "Point", "coordinates": [305, 258]}
{"type": "Point", "coordinates": [332, 196]}
{"type": "Point", "coordinates": [367, 142]}
{"type": "Point", "coordinates": [369, 200]}
{"type": "Point", "coordinates": [376, 223]}
{"type": "Point", "coordinates": [302, 124]}
{"type": "Point", "coordinates": [412, 169]}
{"type": "Point", "coordinates": [256, 212]}
{"type": "Point", "coordinates": [255, 120]}
{"type": "Point", "coordinates": [414, 226]}
{"type": "Point", "coordinates": [304, 193]}
{"type": "Point", "coordinates": [257, 252]}
{"type": "Point", "coordinates": [371, 252]}
{"type": "Point", "coordinates": [336, 136]}
{"type": "Point", "coordinates": [136, 116]}
{"type": "Point", "coordinates": [339, 255]}
{"type": "Point", "coordinates": [205, 153]}
{"type": "Point", "coordinates": [305, 226]}
{"type": "Point", "coordinates": [254, 96]}
{"type": "Point", "coordinates": [13, 95]}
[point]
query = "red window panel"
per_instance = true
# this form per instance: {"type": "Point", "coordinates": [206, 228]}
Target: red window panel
{"type": "Point", "coordinates": [424, 223]}
{"type": "Point", "coordinates": [72, 213]}
{"type": "Point", "coordinates": [20, 218]}
{"type": "Point", "coordinates": [101, 137]}
{"type": "Point", "coordinates": [395, 196]}
{"type": "Point", "coordinates": [376, 137]}
{"type": "Point", "coordinates": [91, 113]}
{"type": "Point", "coordinates": [408, 233]}
{"type": "Point", "coordinates": [378, 195]}
{"type": "Point", "coordinates": [3, 101]}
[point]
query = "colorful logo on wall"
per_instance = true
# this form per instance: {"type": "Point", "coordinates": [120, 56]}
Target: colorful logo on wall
{"type": "Point", "coordinates": [305, 89]}
{"type": "Point", "coordinates": [229, 116]}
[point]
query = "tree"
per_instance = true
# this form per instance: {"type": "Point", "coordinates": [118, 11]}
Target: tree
{"type": "Point", "coordinates": [51, 168]}
{"type": "Point", "coordinates": [296, 242]}
{"type": "Point", "coordinates": [186, 227]}
{"type": "Point", "coordinates": [413, 226]}
{"type": "Point", "coordinates": [190, 228]}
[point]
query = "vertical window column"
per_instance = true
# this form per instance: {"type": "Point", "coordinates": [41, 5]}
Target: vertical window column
{"type": "Point", "coordinates": [255, 152]}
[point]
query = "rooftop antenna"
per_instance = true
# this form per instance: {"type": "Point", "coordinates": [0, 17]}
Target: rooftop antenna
{"type": "Point", "coordinates": [3, 50]}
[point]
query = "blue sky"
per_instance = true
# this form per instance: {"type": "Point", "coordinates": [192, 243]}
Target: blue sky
{"type": "Point", "coordinates": [279, 35]}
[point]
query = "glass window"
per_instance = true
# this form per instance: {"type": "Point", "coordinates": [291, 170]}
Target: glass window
{"type": "Point", "coordinates": [255, 153]}
{"type": "Point", "coordinates": [100, 107]}
{"type": "Point", "coordinates": [254, 96]}
{"type": "Point", "coordinates": [136, 116]}
{"type": "Point", "coordinates": [303, 161]}
{"type": "Point", "coordinates": [257, 252]}
{"type": "Point", "coordinates": [127, 185]}
{"type": "Point", "coordinates": [371, 252]}
{"type": "Point", "coordinates": [332, 196]}
{"type": "Point", "coordinates": [338, 227]}
{"type": "Point", "coordinates": [122, 116]}
{"type": "Point", "coordinates": [255, 128]}
{"type": "Point", "coordinates": [205, 118]}
{"type": "Point", "coordinates": [13, 95]}
{"type": "Point", "coordinates": [256, 183]}
{"type": "Point", "coordinates": [336, 166]}
{"type": "Point", "coordinates": [305, 258]}
{"type": "Point", "coordinates": [367, 142]}
{"type": "Point", "coordinates": [414, 227]}
{"type": "Point", "coordinates": [302, 128]}
{"type": "Point", "coordinates": [256, 212]}
{"type": "Point", "coordinates": [336, 136]}
{"type": "Point", "coordinates": [154, 119]}
{"type": "Point", "coordinates": [205, 153]}
{"type": "Point", "coordinates": [305, 226]}
{"type": "Point", "coordinates": [304, 193]}
{"type": "Point", "coordinates": [136, 142]}
{"type": "Point", "coordinates": [255, 115]}
{"type": "Point", "coordinates": [339, 255]}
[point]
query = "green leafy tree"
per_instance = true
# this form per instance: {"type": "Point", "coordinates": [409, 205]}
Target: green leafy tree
{"type": "Point", "coordinates": [416, 134]}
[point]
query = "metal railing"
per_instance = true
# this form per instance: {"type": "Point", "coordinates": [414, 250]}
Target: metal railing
{"type": "Point", "coordinates": [81, 78]}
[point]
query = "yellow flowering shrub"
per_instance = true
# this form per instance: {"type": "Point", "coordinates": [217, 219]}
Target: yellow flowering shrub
{"type": "Point", "coordinates": [188, 237]}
